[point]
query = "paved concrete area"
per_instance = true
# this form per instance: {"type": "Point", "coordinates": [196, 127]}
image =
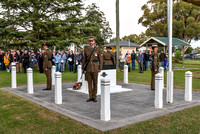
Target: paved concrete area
{"type": "Point", "coordinates": [126, 107]}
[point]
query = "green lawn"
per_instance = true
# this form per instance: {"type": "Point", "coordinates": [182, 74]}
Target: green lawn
{"type": "Point", "coordinates": [18, 116]}
{"type": "Point", "coordinates": [179, 78]}
{"type": "Point", "coordinates": [38, 78]}
{"type": "Point", "coordinates": [134, 77]}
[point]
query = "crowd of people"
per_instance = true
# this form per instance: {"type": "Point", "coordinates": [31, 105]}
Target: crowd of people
{"type": "Point", "coordinates": [29, 58]}
{"type": "Point", "coordinates": [143, 59]}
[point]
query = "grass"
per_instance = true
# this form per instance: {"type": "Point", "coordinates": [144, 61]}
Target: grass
{"type": "Point", "coordinates": [38, 78]}
{"type": "Point", "coordinates": [179, 78]}
{"type": "Point", "coordinates": [18, 115]}
{"type": "Point", "coordinates": [134, 77]}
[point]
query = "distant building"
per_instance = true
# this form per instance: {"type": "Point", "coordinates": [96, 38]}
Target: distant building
{"type": "Point", "coordinates": [124, 46]}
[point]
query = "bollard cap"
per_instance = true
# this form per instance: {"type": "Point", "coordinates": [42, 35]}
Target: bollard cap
{"type": "Point", "coordinates": [188, 74]}
{"type": "Point", "coordinates": [105, 82]}
{"type": "Point", "coordinates": [29, 70]}
{"type": "Point", "coordinates": [158, 76]}
{"type": "Point", "coordinates": [161, 69]}
{"type": "Point", "coordinates": [79, 66]}
{"type": "Point", "coordinates": [126, 66]}
{"type": "Point", "coordinates": [13, 68]}
{"type": "Point", "coordinates": [58, 75]}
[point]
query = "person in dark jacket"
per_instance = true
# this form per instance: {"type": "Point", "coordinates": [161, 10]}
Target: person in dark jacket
{"type": "Point", "coordinates": [25, 60]}
{"type": "Point", "coordinates": [133, 57]}
{"type": "Point", "coordinates": [19, 62]}
{"type": "Point", "coordinates": [140, 61]}
{"type": "Point", "coordinates": [70, 59]}
{"type": "Point", "coordinates": [78, 58]}
{"type": "Point", "coordinates": [144, 61]}
{"type": "Point", "coordinates": [40, 62]}
{"type": "Point", "coordinates": [162, 58]}
{"type": "Point", "coordinates": [2, 60]}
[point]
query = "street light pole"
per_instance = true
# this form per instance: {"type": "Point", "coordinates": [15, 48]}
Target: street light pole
{"type": "Point", "coordinates": [169, 97]}
{"type": "Point", "coordinates": [117, 34]}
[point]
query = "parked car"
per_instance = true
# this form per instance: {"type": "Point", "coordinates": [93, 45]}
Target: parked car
{"type": "Point", "coordinates": [191, 56]}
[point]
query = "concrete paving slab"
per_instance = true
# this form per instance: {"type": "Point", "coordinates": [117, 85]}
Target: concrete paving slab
{"type": "Point", "coordinates": [126, 107]}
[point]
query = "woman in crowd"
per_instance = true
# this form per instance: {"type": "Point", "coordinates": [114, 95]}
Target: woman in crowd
{"type": "Point", "coordinates": [70, 59]}
{"type": "Point", "coordinates": [57, 61]}
{"type": "Point", "coordinates": [128, 60]}
{"type": "Point", "coordinates": [121, 61]}
{"type": "Point", "coordinates": [63, 60]}
{"type": "Point", "coordinates": [7, 62]}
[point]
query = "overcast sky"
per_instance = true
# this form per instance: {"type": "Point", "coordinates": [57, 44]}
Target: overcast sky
{"type": "Point", "coordinates": [130, 12]}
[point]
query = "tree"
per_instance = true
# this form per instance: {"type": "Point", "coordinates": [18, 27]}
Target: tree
{"type": "Point", "coordinates": [189, 50]}
{"type": "Point", "coordinates": [137, 39]}
{"type": "Point", "coordinates": [186, 19]}
{"type": "Point", "coordinates": [95, 24]}
{"type": "Point", "coordinates": [40, 19]}
{"type": "Point", "coordinates": [60, 22]}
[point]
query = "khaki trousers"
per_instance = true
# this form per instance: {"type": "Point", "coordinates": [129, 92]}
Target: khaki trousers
{"type": "Point", "coordinates": [48, 75]}
{"type": "Point", "coordinates": [19, 67]}
{"type": "Point", "coordinates": [92, 78]}
{"type": "Point", "coordinates": [153, 73]}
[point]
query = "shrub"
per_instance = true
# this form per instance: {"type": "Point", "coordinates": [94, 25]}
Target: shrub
{"type": "Point", "coordinates": [178, 55]}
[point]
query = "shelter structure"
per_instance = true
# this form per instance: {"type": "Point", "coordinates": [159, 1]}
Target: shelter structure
{"type": "Point", "coordinates": [164, 42]}
{"type": "Point", "coordinates": [195, 2]}
{"type": "Point", "coordinates": [124, 46]}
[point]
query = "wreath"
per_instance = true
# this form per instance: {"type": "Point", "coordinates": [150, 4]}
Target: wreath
{"type": "Point", "coordinates": [77, 85]}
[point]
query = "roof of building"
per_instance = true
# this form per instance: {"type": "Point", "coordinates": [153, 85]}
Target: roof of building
{"type": "Point", "coordinates": [164, 41]}
{"type": "Point", "coordinates": [195, 2]}
{"type": "Point", "coordinates": [122, 44]}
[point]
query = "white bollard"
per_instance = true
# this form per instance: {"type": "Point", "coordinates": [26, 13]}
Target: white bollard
{"type": "Point", "coordinates": [30, 80]}
{"type": "Point", "coordinates": [158, 102]}
{"type": "Point", "coordinates": [58, 88]}
{"type": "Point", "coordinates": [188, 86]}
{"type": "Point", "coordinates": [125, 74]}
{"type": "Point", "coordinates": [13, 77]}
{"type": "Point", "coordinates": [53, 70]}
{"type": "Point", "coordinates": [161, 71]}
{"type": "Point", "coordinates": [79, 73]}
{"type": "Point", "coordinates": [105, 99]}
{"type": "Point", "coordinates": [170, 90]}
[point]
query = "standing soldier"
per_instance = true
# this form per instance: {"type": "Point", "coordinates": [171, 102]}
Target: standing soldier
{"type": "Point", "coordinates": [109, 57]}
{"type": "Point", "coordinates": [154, 66]}
{"type": "Point", "coordinates": [92, 64]}
{"type": "Point", "coordinates": [47, 63]}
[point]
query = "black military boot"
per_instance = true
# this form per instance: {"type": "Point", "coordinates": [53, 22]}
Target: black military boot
{"type": "Point", "coordinates": [94, 99]}
{"type": "Point", "coordinates": [90, 99]}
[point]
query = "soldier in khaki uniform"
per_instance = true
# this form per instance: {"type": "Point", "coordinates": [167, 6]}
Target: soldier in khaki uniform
{"type": "Point", "coordinates": [154, 66]}
{"type": "Point", "coordinates": [109, 57]}
{"type": "Point", "coordinates": [47, 64]}
{"type": "Point", "coordinates": [94, 66]}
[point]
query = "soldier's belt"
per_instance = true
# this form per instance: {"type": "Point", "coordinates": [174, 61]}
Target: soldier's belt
{"type": "Point", "coordinates": [95, 61]}
{"type": "Point", "coordinates": [49, 59]}
{"type": "Point", "coordinates": [107, 59]}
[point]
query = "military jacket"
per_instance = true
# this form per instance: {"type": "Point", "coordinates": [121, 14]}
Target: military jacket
{"type": "Point", "coordinates": [47, 63]}
{"type": "Point", "coordinates": [109, 58]}
{"type": "Point", "coordinates": [95, 62]}
{"type": "Point", "coordinates": [155, 61]}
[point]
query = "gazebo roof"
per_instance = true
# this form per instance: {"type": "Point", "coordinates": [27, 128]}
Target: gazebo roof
{"type": "Point", "coordinates": [122, 44]}
{"type": "Point", "coordinates": [195, 2]}
{"type": "Point", "coordinates": [164, 41]}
